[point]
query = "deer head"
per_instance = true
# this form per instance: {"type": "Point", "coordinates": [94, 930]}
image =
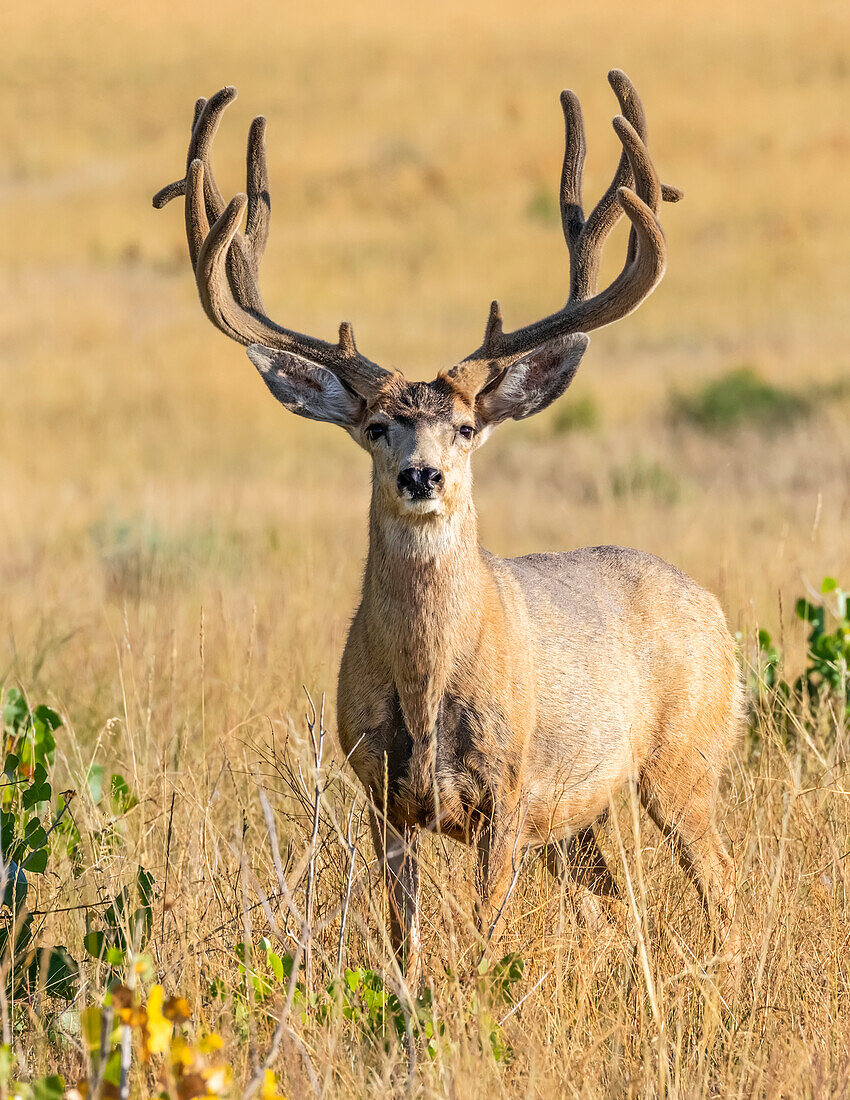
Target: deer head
{"type": "Point", "coordinates": [421, 435]}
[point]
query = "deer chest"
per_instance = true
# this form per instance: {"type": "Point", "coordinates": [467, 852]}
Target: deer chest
{"type": "Point", "coordinates": [451, 782]}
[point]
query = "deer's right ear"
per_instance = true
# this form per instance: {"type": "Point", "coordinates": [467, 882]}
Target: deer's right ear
{"type": "Point", "coordinates": [306, 388]}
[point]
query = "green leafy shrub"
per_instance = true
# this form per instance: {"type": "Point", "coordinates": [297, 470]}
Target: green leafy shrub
{"type": "Point", "coordinates": [825, 678]}
{"type": "Point", "coordinates": [25, 832]}
{"type": "Point", "coordinates": [738, 399]}
{"type": "Point", "coordinates": [34, 825]}
{"type": "Point", "coordinates": [375, 1013]}
{"type": "Point", "coordinates": [125, 925]}
{"type": "Point", "coordinates": [823, 684]}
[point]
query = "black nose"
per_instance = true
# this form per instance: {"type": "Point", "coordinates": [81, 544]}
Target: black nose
{"type": "Point", "coordinates": [419, 481]}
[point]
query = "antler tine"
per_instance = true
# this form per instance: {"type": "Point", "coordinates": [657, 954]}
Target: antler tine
{"type": "Point", "coordinates": [214, 245]}
{"type": "Point", "coordinates": [585, 239]}
{"type": "Point", "coordinates": [575, 150]}
{"type": "Point", "coordinates": [636, 191]}
{"type": "Point", "coordinates": [642, 170]}
{"type": "Point", "coordinates": [607, 211]}
{"type": "Point", "coordinates": [195, 210]}
{"type": "Point", "coordinates": [200, 103]}
{"type": "Point", "coordinates": [207, 117]}
{"type": "Point", "coordinates": [225, 261]}
{"type": "Point", "coordinates": [243, 258]}
{"type": "Point", "coordinates": [259, 198]}
{"type": "Point", "coordinates": [646, 183]}
{"type": "Point", "coordinates": [247, 249]}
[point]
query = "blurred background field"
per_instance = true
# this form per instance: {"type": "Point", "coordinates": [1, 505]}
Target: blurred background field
{"type": "Point", "coordinates": [414, 159]}
{"type": "Point", "coordinates": [177, 555]}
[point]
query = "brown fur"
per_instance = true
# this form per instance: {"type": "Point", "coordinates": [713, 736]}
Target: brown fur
{"type": "Point", "coordinates": [504, 703]}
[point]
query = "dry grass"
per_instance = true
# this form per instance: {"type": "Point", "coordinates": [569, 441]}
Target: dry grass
{"type": "Point", "coordinates": [178, 557]}
{"type": "Point", "coordinates": [642, 1011]}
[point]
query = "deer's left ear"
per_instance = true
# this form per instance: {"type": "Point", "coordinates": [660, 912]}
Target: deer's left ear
{"type": "Point", "coordinates": [533, 382]}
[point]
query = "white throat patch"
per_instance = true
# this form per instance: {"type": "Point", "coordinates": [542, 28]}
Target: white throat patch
{"type": "Point", "coordinates": [423, 540]}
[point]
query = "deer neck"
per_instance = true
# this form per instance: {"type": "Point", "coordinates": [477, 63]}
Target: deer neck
{"type": "Point", "coordinates": [422, 589]}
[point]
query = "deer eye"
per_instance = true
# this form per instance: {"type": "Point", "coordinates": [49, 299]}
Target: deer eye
{"type": "Point", "coordinates": [375, 432]}
{"type": "Point", "coordinates": [466, 430]}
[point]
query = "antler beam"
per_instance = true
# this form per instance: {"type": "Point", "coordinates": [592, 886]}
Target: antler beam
{"type": "Point", "coordinates": [634, 191]}
{"type": "Point", "coordinates": [226, 261]}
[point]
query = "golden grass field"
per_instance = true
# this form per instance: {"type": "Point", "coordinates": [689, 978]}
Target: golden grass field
{"type": "Point", "coordinates": [179, 558]}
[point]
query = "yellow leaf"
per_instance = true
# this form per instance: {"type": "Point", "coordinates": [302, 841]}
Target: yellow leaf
{"type": "Point", "coordinates": [209, 1044]}
{"type": "Point", "coordinates": [182, 1053]}
{"type": "Point", "coordinates": [269, 1087]}
{"type": "Point", "coordinates": [157, 1030]}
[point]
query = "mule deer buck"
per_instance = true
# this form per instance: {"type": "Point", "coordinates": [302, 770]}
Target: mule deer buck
{"type": "Point", "coordinates": [501, 702]}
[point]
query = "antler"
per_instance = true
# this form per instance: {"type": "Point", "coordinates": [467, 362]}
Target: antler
{"type": "Point", "coordinates": [636, 191]}
{"type": "Point", "coordinates": [226, 262]}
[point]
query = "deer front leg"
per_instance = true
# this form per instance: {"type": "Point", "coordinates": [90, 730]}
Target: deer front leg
{"type": "Point", "coordinates": [397, 854]}
{"type": "Point", "coordinates": [499, 859]}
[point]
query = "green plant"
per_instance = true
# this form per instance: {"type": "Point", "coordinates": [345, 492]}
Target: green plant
{"type": "Point", "coordinates": [378, 1013]}
{"type": "Point", "coordinates": [737, 399]}
{"type": "Point", "coordinates": [51, 1087]}
{"type": "Point", "coordinates": [375, 1013]}
{"type": "Point", "coordinates": [496, 988]}
{"type": "Point", "coordinates": [31, 830]}
{"type": "Point", "coordinates": [362, 997]}
{"type": "Point", "coordinates": [25, 831]}
{"type": "Point", "coordinates": [824, 679]}
{"type": "Point", "coordinates": [125, 925]}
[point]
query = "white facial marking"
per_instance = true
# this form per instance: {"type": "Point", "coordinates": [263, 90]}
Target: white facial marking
{"type": "Point", "coordinates": [422, 507]}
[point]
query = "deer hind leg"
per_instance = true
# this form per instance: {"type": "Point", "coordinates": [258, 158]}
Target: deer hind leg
{"type": "Point", "coordinates": [397, 853]}
{"type": "Point", "coordinates": [680, 796]}
{"type": "Point", "coordinates": [579, 864]}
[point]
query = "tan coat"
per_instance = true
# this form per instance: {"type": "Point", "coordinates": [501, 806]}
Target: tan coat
{"type": "Point", "coordinates": [501, 702]}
